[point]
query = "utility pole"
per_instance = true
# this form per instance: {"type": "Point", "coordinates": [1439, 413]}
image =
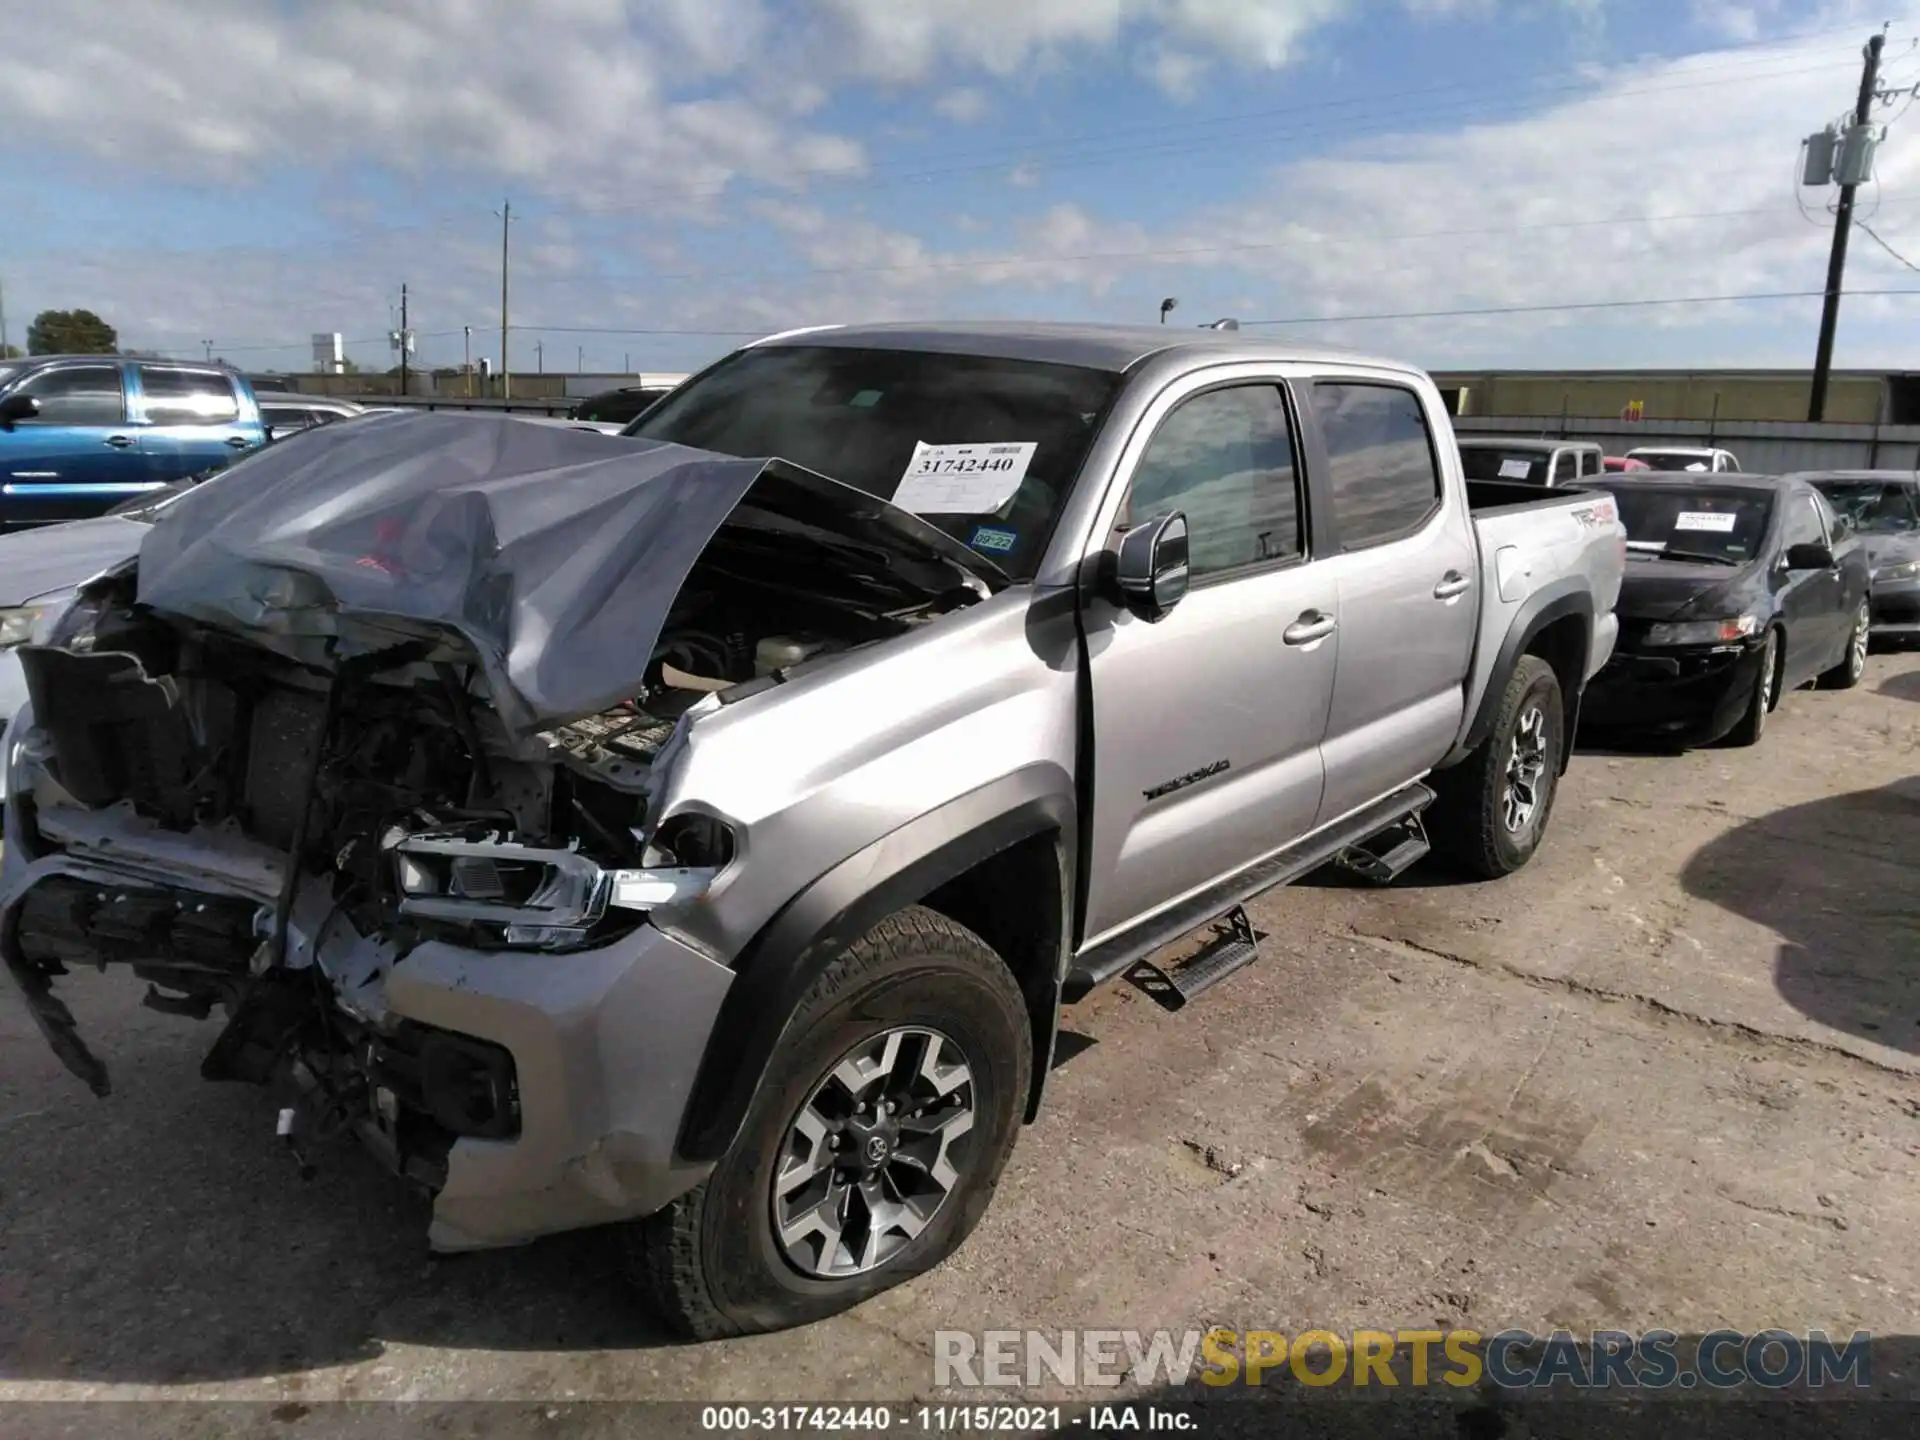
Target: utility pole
{"type": "Point", "coordinates": [209, 345]}
{"type": "Point", "coordinates": [4, 346]}
{"type": "Point", "coordinates": [1842, 223]}
{"type": "Point", "coordinates": [539, 357]}
{"type": "Point", "coordinates": [466, 357]}
{"type": "Point", "coordinates": [506, 378]}
{"type": "Point", "coordinates": [580, 361]}
{"type": "Point", "coordinates": [406, 337]}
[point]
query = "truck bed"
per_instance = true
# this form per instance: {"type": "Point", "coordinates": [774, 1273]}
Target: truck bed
{"type": "Point", "coordinates": [1487, 496]}
{"type": "Point", "coordinates": [1537, 544]}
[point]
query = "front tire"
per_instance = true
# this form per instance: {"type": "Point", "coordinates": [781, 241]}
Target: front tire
{"type": "Point", "coordinates": [1752, 723]}
{"type": "Point", "coordinates": [871, 1149]}
{"type": "Point", "coordinates": [1853, 664]}
{"type": "Point", "coordinates": [1492, 807]}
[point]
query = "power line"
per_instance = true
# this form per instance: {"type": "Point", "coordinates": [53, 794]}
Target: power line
{"type": "Point", "coordinates": [1564, 306]}
{"type": "Point", "coordinates": [1875, 236]}
{"type": "Point", "coordinates": [1392, 116]}
{"type": "Point", "coordinates": [1169, 253]}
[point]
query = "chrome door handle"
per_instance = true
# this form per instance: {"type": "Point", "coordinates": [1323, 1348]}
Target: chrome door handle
{"type": "Point", "coordinates": [240, 442]}
{"type": "Point", "coordinates": [1451, 584]}
{"type": "Point", "coordinates": [119, 442]}
{"type": "Point", "coordinates": [1308, 628]}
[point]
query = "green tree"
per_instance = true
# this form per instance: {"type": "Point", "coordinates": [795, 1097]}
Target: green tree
{"type": "Point", "coordinates": [12, 352]}
{"type": "Point", "coordinates": [70, 332]}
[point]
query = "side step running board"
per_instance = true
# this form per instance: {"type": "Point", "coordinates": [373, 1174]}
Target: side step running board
{"type": "Point", "coordinates": [1381, 859]}
{"type": "Point", "coordinates": [1234, 945]}
{"type": "Point", "coordinates": [1117, 955]}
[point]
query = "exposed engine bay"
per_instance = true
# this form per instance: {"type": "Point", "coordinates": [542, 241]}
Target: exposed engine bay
{"type": "Point", "coordinates": [268, 839]}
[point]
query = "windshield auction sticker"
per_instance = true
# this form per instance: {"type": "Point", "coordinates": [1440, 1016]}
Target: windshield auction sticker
{"type": "Point", "coordinates": [1719, 521]}
{"type": "Point", "coordinates": [963, 479]}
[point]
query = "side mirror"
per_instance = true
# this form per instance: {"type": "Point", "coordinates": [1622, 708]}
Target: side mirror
{"type": "Point", "coordinates": [1151, 570]}
{"type": "Point", "coordinates": [1811, 556]}
{"type": "Point", "coordinates": [16, 408]}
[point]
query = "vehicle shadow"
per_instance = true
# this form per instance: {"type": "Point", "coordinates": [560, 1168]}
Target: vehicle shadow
{"type": "Point", "coordinates": [1904, 686]}
{"type": "Point", "coordinates": [162, 1236]}
{"type": "Point", "coordinates": [1838, 880]}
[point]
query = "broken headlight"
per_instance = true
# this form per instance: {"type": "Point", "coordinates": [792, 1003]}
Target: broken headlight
{"type": "Point", "coordinates": [527, 897]}
{"type": "Point", "coordinates": [20, 624]}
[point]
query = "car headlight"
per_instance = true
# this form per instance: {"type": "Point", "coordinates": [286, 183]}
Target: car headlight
{"type": "Point", "coordinates": [19, 624]}
{"type": "Point", "coordinates": [1704, 632]}
{"type": "Point", "coordinates": [1901, 570]}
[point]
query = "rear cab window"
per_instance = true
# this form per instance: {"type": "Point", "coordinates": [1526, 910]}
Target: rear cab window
{"type": "Point", "coordinates": [179, 396]}
{"type": "Point", "coordinates": [1383, 471]}
{"type": "Point", "coordinates": [1498, 462]}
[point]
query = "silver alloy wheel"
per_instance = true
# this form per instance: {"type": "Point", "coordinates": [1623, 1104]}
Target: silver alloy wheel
{"type": "Point", "coordinates": [1526, 769]}
{"type": "Point", "coordinates": [1857, 645]}
{"type": "Point", "coordinates": [870, 1158]}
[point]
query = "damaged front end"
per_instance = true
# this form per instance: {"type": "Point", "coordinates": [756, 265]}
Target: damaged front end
{"type": "Point", "coordinates": [387, 812]}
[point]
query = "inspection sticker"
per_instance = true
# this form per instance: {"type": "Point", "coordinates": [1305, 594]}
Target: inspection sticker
{"type": "Point", "coordinates": [1720, 521]}
{"type": "Point", "coordinates": [1515, 469]}
{"type": "Point", "coordinates": [993, 541]}
{"type": "Point", "coordinates": [963, 479]}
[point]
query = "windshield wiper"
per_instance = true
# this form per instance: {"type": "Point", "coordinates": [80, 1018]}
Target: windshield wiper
{"type": "Point", "coordinates": [1709, 556]}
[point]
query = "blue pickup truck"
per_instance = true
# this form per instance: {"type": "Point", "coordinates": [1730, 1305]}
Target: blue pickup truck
{"type": "Point", "coordinates": [82, 433]}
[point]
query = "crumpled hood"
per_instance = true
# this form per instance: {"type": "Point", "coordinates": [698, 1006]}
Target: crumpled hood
{"type": "Point", "coordinates": [555, 553]}
{"type": "Point", "coordinates": [49, 559]}
{"type": "Point", "coordinates": [1891, 549]}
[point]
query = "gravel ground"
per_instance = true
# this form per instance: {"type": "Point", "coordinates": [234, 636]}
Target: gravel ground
{"type": "Point", "coordinates": [1663, 1077]}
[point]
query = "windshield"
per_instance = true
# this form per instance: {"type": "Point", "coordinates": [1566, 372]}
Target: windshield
{"type": "Point", "coordinates": [994, 445]}
{"type": "Point", "coordinates": [1674, 460]}
{"type": "Point", "coordinates": [1876, 507]}
{"type": "Point", "coordinates": [1694, 523]}
{"type": "Point", "coordinates": [1493, 462]}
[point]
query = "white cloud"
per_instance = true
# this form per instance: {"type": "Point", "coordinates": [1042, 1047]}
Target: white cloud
{"type": "Point", "coordinates": [963, 106]}
{"type": "Point", "coordinates": [602, 89]}
{"type": "Point", "coordinates": [1348, 231]}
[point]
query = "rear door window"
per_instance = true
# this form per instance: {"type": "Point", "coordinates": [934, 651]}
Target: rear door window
{"type": "Point", "coordinates": [1381, 464]}
{"type": "Point", "coordinates": [1565, 467]}
{"type": "Point", "coordinates": [77, 395]}
{"type": "Point", "coordinates": [187, 397]}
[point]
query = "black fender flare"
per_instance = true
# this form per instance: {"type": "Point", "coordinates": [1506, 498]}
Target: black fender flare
{"type": "Point", "coordinates": [777, 968]}
{"type": "Point", "coordinates": [1544, 607]}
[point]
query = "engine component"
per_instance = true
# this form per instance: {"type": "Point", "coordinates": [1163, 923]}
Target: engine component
{"type": "Point", "coordinates": [777, 652]}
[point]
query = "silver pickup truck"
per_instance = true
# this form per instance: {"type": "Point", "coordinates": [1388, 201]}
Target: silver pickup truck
{"type": "Point", "coordinates": [626, 831]}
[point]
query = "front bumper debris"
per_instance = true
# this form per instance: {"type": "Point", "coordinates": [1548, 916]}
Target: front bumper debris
{"type": "Point", "coordinates": [1689, 694]}
{"type": "Point", "coordinates": [598, 1049]}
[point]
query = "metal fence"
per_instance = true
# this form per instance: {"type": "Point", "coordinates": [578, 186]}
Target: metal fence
{"type": "Point", "coordinates": [1763, 446]}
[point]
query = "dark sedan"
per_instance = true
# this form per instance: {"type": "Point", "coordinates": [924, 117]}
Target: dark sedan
{"type": "Point", "coordinates": [1738, 589]}
{"type": "Point", "coordinates": [1884, 508]}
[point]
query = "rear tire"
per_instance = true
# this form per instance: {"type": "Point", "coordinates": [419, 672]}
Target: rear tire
{"type": "Point", "coordinates": [1853, 663]}
{"type": "Point", "coordinates": [1766, 695]}
{"type": "Point", "coordinates": [1492, 807]}
{"type": "Point", "coordinates": [781, 1233]}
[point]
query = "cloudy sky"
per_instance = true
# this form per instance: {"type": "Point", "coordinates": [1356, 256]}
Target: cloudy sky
{"type": "Point", "coordinates": [685, 173]}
